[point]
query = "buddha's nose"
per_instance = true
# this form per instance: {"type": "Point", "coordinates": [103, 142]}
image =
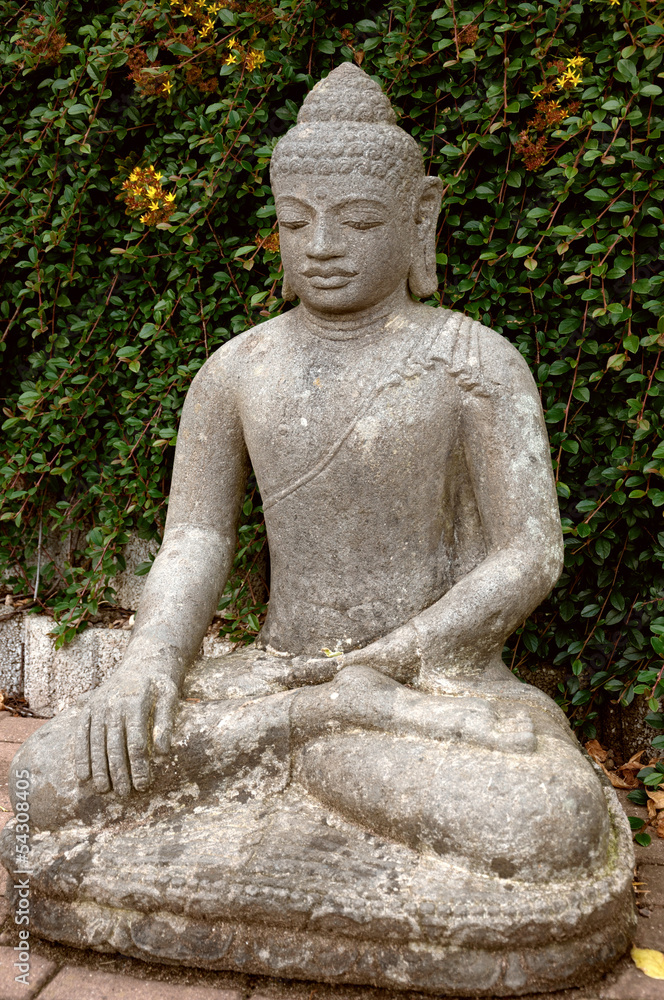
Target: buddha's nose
{"type": "Point", "coordinates": [326, 241]}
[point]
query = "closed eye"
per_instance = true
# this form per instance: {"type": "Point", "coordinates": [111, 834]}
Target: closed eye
{"type": "Point", "coordinates": [293, 223]}
{"type": "Point", "coordinates": [363, 223]}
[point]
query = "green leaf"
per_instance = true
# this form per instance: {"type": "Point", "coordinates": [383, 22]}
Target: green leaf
{"type": "Point", "coordinates": [597, 194]}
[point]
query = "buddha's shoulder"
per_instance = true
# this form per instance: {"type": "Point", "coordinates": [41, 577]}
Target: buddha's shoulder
{"type": "Point", "coordinates": [479, 356]}
{"type": "Point", "coordinates": [229, 361]}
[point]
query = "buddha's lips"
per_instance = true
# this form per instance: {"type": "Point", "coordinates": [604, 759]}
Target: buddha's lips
{"type": "Point", "coordinates": [317, 272]}
{"type": "Point", "coordinates": [333, 279]}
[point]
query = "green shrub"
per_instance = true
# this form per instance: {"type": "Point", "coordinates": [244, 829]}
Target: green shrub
{"type": "Point", "coordinates": [544, 121]}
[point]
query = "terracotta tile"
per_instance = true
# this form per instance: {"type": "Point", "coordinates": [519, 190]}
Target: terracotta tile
{"type": "Point", "coordinates": [40, 971]}
{"type": "Point", "coordinates": [650, 931]}
{"type": "Point", "coordinates": [15, 729]}
{"type": "Point", "coordinates": [7, 751]}
{"type": "Point", "coordinates": [85, 984]}
{"type": "Point", "coordinates": [632, 984]}
{"type": "Point", "coordinates": [653, 855]}
{"type": "Point", "coordinates": [653, 876]}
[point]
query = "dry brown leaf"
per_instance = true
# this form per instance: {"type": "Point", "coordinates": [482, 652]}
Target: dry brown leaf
{"type": "Point", "coordinates": [619, 782]}
{"type": "Point", "coordinates": [657, 797]}
{"type": "Point", "coordinates": [659, 829]}
{"type": "Point", "coordinates": [633, 764]}
{"type": "Point", "coordinates": [597, 751]}
{"type": "Point", "coordinates": [652, 810]}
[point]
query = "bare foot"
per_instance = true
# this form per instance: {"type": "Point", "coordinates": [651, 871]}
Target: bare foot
{"type": "Point", "coordinates": [468, 720]}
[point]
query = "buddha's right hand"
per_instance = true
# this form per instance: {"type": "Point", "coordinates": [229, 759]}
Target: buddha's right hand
{"type": "Point", "coordinates": [120, 723]}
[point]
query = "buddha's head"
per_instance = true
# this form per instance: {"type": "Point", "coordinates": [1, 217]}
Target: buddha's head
{"type": "Point", "coordinates": [357, 215]}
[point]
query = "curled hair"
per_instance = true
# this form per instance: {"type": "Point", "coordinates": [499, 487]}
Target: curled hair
{"type": "Point", "coordinates": [347, 125]}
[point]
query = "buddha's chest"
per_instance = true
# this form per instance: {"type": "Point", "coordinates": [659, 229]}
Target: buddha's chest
{"type": "Point", "coordinates": [357, 423]}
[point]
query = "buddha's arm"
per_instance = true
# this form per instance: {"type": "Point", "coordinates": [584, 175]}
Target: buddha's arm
{"type": "Point", "coordinates": [137, 704]}
{"type": "Point", "coordinates": [508, 458]}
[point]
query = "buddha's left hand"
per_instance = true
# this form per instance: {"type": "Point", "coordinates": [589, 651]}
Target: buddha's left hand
{"type": "Point", "coordinates": [395, 655]}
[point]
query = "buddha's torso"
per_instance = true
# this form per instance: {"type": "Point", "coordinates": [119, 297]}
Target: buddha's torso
{"type": "Point", "coordinates": [362, 477]}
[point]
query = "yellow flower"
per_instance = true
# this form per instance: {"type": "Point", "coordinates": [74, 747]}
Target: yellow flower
{"type": "Point", "coordinates": [536, 91]}
{"type": "Point", "coordinates": [232, 58]}
{"type": "Point", "coordinates": [575, 61]}
{"type": "Point", "coordinates": [170, 197]}
{"type": "Point", "coordinates": [614, 2]}
{"type": "Point", "coordinates": [206, 29]}
{"type": "Point", "coordinates": [145, 219]}
{"type": "Point", "coordinates": [186, 10]}
{"type": "Point", "coordinates": [133, 176]}
{"type": "Point", "coordinates": [569, 79]}
{"type": "Point", "coordinates": [232, 42]}
{"type": "Point", "coordinates": [166, 88]}
{"type": "Point", "coordinates": [154, 206]}
{"type": "Point", "coordinates": [151, 192]}
{"type": "Point", "coordinates": [255, 59]}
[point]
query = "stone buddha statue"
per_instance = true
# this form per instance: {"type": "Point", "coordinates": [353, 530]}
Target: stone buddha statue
{"type": "Point", "coordinates": [366, 794]}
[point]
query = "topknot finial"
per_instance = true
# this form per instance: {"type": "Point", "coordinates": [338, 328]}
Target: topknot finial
{"type": "Point", "coordinates": [347, 94]}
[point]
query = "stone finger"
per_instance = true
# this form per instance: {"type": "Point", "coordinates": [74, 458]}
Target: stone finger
{"type": "Point", "coordinates": [98, 758]}
{"type": "Point", "coordinates": [83, 767]}
{"type": "Point", "coordinates": [163, 720]}
{"type": "Point", "coordinates": [137, 749]}
{"type": "Point", "coordinates": [118, 764]}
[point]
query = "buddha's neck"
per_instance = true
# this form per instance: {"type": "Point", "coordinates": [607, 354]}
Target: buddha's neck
{"type": "Point", "coordinates": [354, 325]}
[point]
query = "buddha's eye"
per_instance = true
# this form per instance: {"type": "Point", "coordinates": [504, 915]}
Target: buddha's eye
{"type": "Point", "coordinates": [293, 223]}
{"type": "Point", "coordinates": [363, 223]}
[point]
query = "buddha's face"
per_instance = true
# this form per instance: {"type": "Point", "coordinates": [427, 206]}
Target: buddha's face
{"type": "Point", "coordinates": [345, 240]}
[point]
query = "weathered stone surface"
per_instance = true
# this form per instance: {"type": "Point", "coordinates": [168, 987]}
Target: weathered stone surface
{"type": "Point", "coordinates": [54, 679]}
{"type": "Point", "coordinates": [11, 652]}
{"type": "Point", "coordinates": [129, 587]}
{"type": "Point", "coordinates": [288, 888]}
{"type": "Point", "coordinates": [367, 795]}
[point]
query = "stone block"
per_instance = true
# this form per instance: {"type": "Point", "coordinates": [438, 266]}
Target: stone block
{"type": "Point", "coordinates": [54, 679]}
{"type": "Point", "coordinates": [86, 984]}
{"type": "Point", "coordinates": [41, 971]}
{"type": "Point", "coordinates": [11, 654]}
{"type": "Point", "coordinates": [129, 587]}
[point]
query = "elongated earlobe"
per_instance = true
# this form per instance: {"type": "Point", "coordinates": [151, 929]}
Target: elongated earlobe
{"type": "Point", "coordinates": [422, 277]}
{"type": "Point", "coordinates": [287, 292]}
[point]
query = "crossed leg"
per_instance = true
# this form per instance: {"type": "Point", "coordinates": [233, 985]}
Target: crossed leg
{"type": "Point", "coordinates": [407, 765]}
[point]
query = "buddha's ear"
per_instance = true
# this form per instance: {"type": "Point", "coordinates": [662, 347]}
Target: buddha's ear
{"type": "Point", "coordinates": [422, 279]}
{"type": "Point", "coordinates": [287, 292]}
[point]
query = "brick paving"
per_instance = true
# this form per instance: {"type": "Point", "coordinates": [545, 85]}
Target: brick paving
{"type": "Point", "coordinates": [59, 973]}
